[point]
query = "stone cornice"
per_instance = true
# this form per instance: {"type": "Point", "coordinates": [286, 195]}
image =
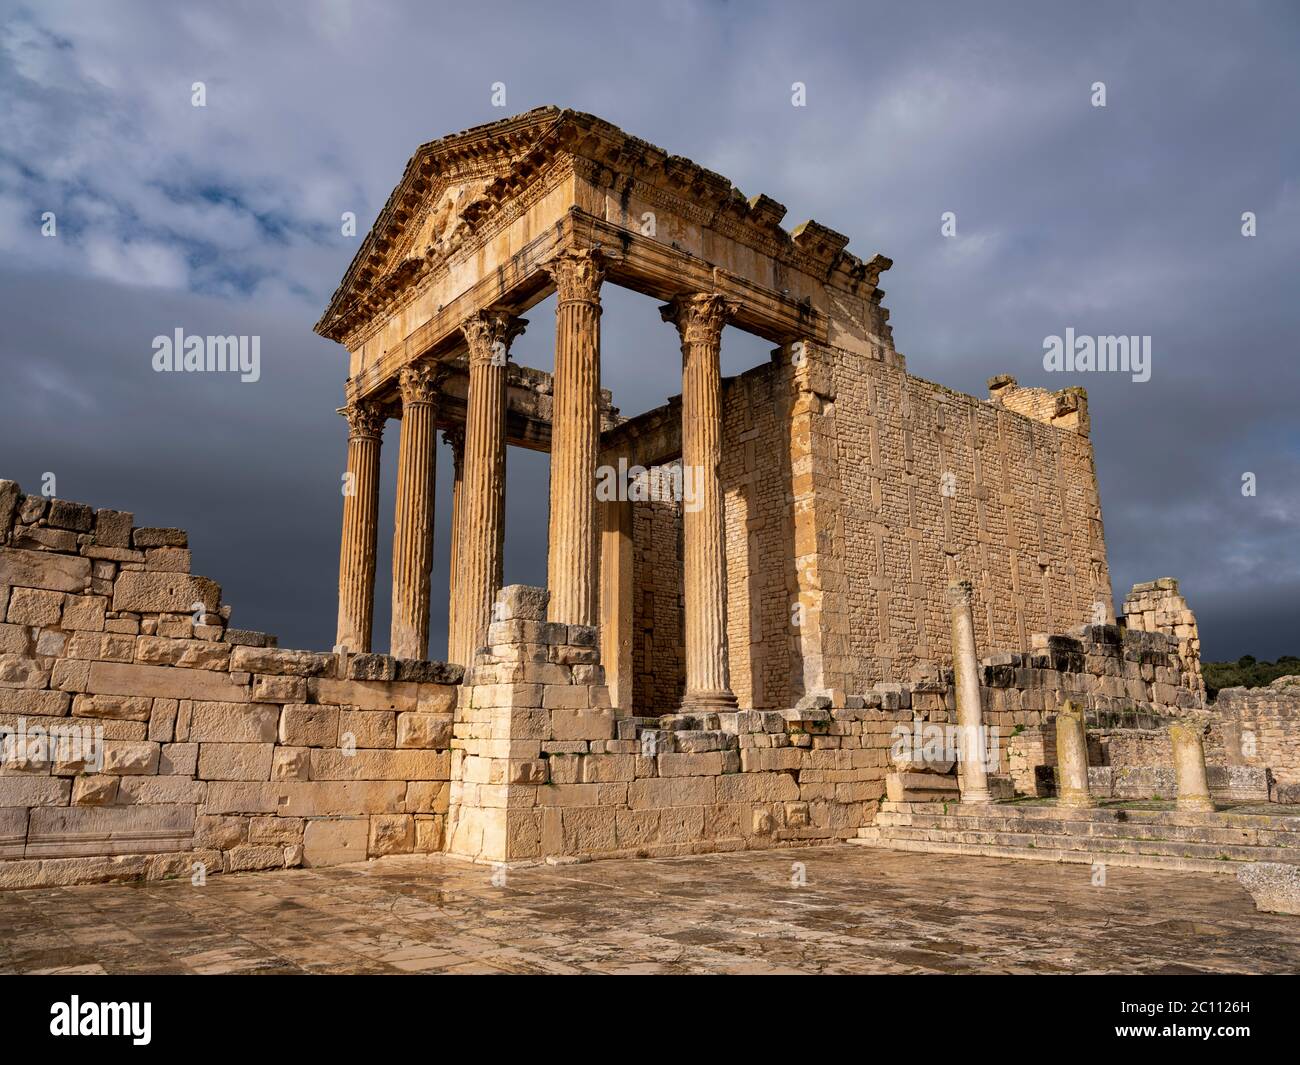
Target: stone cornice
{"type": "Point", "coordinates": [517, 154]}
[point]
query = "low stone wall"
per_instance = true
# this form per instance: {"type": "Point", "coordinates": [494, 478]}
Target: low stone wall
{"type": "Point", "coordinates": [1261, 727]}
{"type": "Point", "coordinates": [146, 737]}
{"type": "Point", "coordinates": [544, 767]}
{"type": "Point", "coordinates": [143, 737]}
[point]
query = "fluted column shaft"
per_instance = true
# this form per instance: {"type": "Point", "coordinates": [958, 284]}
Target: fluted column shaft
{"type": "Point", "coordinates": [699, 320]}
{"type": "Point", "coordinates": [481, 532]}
{"type": "Point", "coordinates": [455, 438]}
{"type": "Point", "coordinates": [575, 438]}
{"type": "Point", "coordinates": [360, 528]}
{"type": "Point", "coordinates": [413, 524]}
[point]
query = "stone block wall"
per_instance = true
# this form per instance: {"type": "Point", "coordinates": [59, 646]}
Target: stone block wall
{"type": "Point", "coordinates": [543, 767]}
{"type": "Point", "coordinates": [855, 492]}
{"type": "Point", "coordinates": [1157, 606]}
{"type": "Point", "coordinates": [1261, 727]}
{"type": "Point", "coordinates": [658, 651]}
{"type": "Point", "coordinates": [144, 737]}
{"type": "Point", "coordinates": [1137, 763]}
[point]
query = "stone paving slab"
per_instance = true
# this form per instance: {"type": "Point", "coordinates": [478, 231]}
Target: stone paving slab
{"type": "Point", "coordinates": [861, 911]}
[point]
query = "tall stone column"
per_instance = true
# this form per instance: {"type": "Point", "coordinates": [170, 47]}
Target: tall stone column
{"type": "Point", "coordinates": [972, 770]}
{"type": "Point", "coordinates": [482, 496]}
{"type": "Point", "coordinates": [413, 523]}
{"type": "Point", "coordinates": [455, 439]}
{"type": "Point", "coordinates": [1193, 790]}
{"type": "Point", "coordinates": [699, 319]}
{"type": "Point", "coordinates": [360, 527]}
{"type": "Point", "coordinates": [575, 437]}
{"type": "Point", "coordinates": [1072, 757]}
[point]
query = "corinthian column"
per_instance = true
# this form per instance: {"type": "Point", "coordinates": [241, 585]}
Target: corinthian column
{"type": "Point", "coordinates": [575, 438]}
{"type": "Point", "coordinates": [482, 496]}
{"type": "Point", "coordinates": [455, 439]}
{"type": "Point", "coordinates": [699, 320]}
{"type": "Point", "coordinates": [360, 527]}
{"type": "Point", "coordinates": [413, 526]}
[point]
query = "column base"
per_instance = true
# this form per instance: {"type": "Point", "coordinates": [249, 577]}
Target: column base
{"type": "Point", "coordinates": [1075, 800]}
{"type": "Point", "coordinates": [1195, 804]}
{"type": "Point", "coordinates": [977, 798]}
{"type": "Point", "coordinates": [697, 701]}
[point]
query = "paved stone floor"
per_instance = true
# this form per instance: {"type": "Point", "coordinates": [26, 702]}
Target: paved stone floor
{"type": "Point", "coordinates": [861, 911]}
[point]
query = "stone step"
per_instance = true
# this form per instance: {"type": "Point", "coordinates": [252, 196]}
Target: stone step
{"type": "Point", "coordinates": [1137, 861]}
{"type": "Point", "coordinates": [1094, 845]}
{"type": "Point", "coordinates": [1214, 833]}
{"type": "Point", "coordinates": [1288, 822]}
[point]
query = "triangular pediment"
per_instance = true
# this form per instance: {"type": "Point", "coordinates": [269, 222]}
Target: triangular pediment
{"type": "Point", "coordinates": [441, 180]}
{"type": "Point", "coordinates": [455, 186]}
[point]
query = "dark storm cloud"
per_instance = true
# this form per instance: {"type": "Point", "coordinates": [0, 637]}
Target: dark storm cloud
{"type": "Point", "coordinates": [225, 220]}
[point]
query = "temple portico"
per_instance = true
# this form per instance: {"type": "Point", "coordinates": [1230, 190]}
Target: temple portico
{"type": "Point", "coordinates": [821, 532]}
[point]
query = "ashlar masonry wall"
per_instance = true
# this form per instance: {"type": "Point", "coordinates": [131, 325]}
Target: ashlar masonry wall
{"type": "Point", "coordinates": [144, 738]}
{"type": "Point", "coordinates": [855, 492]}
{"type": "Point", "coordinates": [1261, 727]}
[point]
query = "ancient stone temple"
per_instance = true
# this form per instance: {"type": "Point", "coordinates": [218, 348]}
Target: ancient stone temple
{"type": "Point", "coordinates": [825, 599]}
{"type": "Point", "coordinates": [833, 495]}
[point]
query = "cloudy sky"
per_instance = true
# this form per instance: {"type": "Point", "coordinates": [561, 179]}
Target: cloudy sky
{"type": "Point", "coordinates": [1123, 219]}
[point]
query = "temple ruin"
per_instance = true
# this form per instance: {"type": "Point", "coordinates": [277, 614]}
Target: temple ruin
{"type": "Point", "coordinates": [879, 597]}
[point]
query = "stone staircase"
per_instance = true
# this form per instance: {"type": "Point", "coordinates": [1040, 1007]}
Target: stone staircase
{"type": "Point", "coordinates": [1146, 835]}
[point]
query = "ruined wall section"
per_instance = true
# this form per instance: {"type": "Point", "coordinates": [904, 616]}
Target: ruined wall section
{"type": "Point", "coordinates": [1261, 727]}
{"type": "Point", "coordinates": [145, 738]}
{"type": "Point", "coordinates": [762, 585]}
{"type": "Point", "coordinates": [1157, 606]}
{"type": "Point", "coordinates": [934, 486]}
{"type": "Point", "coordinates": [658, 648]}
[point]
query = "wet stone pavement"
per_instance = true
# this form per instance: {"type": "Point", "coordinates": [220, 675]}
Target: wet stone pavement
{"type": "Point", "coordinates": [860, 910]}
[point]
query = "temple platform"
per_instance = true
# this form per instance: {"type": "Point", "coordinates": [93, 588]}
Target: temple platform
{"type": "Point", "coordinates": [1144, 834]}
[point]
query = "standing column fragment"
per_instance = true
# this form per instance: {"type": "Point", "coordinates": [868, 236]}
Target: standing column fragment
{"type": "Point", "coordinates": [575, 438]}
{"type": "Point", "coordinates": [413, 523]}
{"type": "Point", "coordinates": [971, 749]}
{"type": "Point", "coordinates": [360, 527]}
{"type": "Point", "coordinates": [699, 319]}
{"type": "Point", "coordinates": [481, 534]}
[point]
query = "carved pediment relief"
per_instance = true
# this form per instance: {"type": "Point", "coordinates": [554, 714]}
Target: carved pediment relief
{"type": "Point", "coordinates": [428, 236]}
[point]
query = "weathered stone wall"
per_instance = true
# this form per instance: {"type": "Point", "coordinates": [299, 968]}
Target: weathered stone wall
{"type": "Point", "coordinates": [1138, 763]}
{"type": "Point", "coordinates": [856, 492]}
{"type": "Point", "coordinates": [543, 767]}
{"type": "Point", "coordinates": [144, 735]}
{"type": "Point", "coordinates": [1261, 727]}
{"type": "Point", "coordinates": [762, 587]}
{"type": "Point", "coordinates": [1157, 606]}
{"type": "Point", "coordinates": [658, 654]}
{"type": "Point", "coordinates": [935, 485]}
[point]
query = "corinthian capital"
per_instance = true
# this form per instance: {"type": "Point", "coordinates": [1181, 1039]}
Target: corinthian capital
{"type": "Point", "coordinates": [699, 316]}
{"type": "Point", "coordinates": [577, 274]}
{"type": "Point", "coordinates": [488, 334]}
{"type": "Point", "coordinates": [419, 382]}
{"type": "Point", "coordinates": [365, 420]}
